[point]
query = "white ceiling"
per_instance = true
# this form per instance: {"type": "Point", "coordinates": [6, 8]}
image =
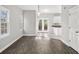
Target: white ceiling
{"type": "Point", "coordinates": [27, 7]}
{"type": "Point", "coordinates": [50, 9]}
{"type": "Point", "coordinates": [42, 8]}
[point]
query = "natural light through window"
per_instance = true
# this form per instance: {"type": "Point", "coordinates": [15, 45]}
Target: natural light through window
{"type": "Point", "coordinates": [4, 22]}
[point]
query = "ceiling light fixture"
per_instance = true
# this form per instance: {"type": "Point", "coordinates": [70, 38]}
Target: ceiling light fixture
{"type": "Point", "coordinates": [38, 10]}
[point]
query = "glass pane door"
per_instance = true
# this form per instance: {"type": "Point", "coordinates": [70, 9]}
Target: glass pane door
{"type": "Point", "coordinates": [43, 25]}
{"type": "Point", "coordinates": [40, 25]}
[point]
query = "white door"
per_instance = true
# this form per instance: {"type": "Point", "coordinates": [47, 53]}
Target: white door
{"type": "Point", "coordinates": [73, 29]}
{"type": "Point", "coordinates": [43, 26]}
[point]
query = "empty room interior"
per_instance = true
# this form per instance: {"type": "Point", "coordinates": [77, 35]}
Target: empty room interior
{"type": "Point", "coordinates": [39, 29]}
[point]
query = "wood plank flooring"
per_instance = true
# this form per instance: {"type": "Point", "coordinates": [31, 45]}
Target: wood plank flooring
{"type": "Point", "coordinates": [30, 45]}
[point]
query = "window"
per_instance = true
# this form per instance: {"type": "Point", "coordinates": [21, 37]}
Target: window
{"type": "Point", "coordinates": [4, 21]}
{"type": "Point", "coordinates": [45, 25]}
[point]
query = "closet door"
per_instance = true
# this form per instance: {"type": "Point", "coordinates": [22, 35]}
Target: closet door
{"type": "Point", "coordinates": [73, 28]}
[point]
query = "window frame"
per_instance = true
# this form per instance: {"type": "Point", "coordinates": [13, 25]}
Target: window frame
{"type": "Point", "coordinates": [7, 22]}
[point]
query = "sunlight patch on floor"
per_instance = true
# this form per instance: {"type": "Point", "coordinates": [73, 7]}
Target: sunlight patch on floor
{"type": "Point", "coordinates": [42, 37]}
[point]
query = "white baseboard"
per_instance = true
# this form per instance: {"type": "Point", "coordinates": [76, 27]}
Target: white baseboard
{"type": "Point", "coordinates": [60, 38]}
{"type": "Point", "coordinates": [68, 45]}
{"type": "Point", "coordinates": [65, 42]}
{"type": "Point", "coordinates": [9, 44]}
{"type": "Point", "coordinates": [29, 34]}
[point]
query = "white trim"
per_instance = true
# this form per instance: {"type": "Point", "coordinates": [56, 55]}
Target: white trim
{"type": "Point", "coordinates": [65, 42]}
{"type": "Point", "coordinates": [59, 38]}
{"type": "Point", "coordinates": [68, 45]}
{"type": "Point", "coordinates": [9, 44]}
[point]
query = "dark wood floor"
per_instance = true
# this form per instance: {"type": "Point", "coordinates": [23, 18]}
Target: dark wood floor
{"type": "Point", "coordinates": [30, 45]}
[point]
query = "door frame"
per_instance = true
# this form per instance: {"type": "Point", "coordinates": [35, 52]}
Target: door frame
{"type": "Point", "coordinates": [42, 24]}
{"type": "Point", "coordinates": [72, 30]}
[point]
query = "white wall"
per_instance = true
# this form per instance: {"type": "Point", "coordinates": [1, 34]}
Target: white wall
{"type": "Point", "coordinates": [16, 22]}
{"type": "Point", "coordinates": [57, 19]}
{"type": "Point", "coordinates": [30, 22]}
{"type": "Point", "coordinates": [65, 23]}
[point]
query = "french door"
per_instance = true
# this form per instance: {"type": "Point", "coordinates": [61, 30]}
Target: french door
{"type": "Point", "coordinates": [43, 25]}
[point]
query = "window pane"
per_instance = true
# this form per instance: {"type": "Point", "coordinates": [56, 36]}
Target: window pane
{"type": "Point", "coordinates": [3, 28]}
{"type": "Point", "coordinates": [2, 25]}
{"type": "Point", "coordinates": [5, 25]}
{"type": "Point", "coordinates": [40, 25]}
{"type": "Point", "coordinates": [45, 25]}
{"type": "Point", "coordinates": [2, 31]}
{"type": "Point", "coordinates": [3, 20]}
